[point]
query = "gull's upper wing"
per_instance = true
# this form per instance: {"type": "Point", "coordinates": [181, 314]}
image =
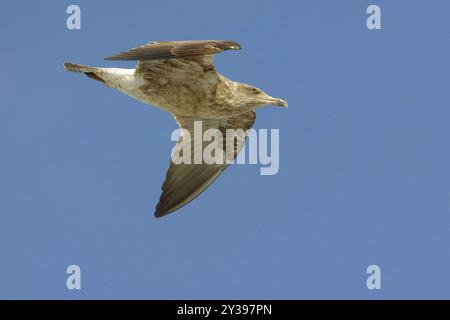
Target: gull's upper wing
{"type": "Point", "coordinates": [179, 63]}
{"type": "Point", "coordinates": [185, 181]}
{"type": "Point", "coordinates": [175, 49]}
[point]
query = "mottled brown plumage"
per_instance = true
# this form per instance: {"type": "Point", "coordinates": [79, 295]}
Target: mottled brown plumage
{"type": "Point", "coordinates": [180, 77]}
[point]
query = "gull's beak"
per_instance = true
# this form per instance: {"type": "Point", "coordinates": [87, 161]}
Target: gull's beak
{"type": "Point", "coordinates": [278, 102]}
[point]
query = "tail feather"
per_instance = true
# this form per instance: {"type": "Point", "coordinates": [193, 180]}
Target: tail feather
{"type": "Point", "coordinates": [73, 67]}
{"type": "Point", "coordinates": [91, 72]}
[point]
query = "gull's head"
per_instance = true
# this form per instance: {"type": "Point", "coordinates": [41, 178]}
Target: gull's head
{"type": "Point", "coordinates": [256, 98]}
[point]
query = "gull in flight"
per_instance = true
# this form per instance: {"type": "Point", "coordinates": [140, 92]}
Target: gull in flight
{"type": "Point", "coordinates": [180, 77]}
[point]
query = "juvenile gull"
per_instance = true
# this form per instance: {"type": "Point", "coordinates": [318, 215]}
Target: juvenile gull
{"type": "Point", "coordinates": [180, 77]}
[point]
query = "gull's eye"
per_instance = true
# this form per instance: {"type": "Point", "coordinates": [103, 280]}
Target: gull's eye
{"type": "Point", "coordinates": [254, 90]}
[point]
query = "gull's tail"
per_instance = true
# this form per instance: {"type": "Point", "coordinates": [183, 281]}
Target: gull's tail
{"type": "Point", "coordinates": [91, 72]}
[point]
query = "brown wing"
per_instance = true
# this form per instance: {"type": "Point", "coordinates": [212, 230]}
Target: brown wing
{"type": "Point", "coordinates": [188, 64]}
{"type": "Point", "coordinates": [185, 181]}
{"type": "Point", "coordinates": [175, 49]}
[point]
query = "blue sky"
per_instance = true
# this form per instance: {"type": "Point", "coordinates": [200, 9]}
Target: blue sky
{"type": "Point", "coordinates": [364, 155]}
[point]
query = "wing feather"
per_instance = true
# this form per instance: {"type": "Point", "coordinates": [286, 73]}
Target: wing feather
{"type": "Point", "coordinates": [185, 181]}
{"type": "Point", "coordinates": [175, 49]}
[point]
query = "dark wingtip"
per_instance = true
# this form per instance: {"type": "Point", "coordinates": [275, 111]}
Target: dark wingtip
{"type": "Point", "coordinates": [114, 58]}
{"type": "Point", "coordinates": [159, 214]}
{"type": "Point", "coordinates": [123, 56]}
{"type": "Point", "coordinates": [160, 211]}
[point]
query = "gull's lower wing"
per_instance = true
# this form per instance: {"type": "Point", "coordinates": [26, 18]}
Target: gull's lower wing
{"type": "Point", "coordinates": [175, 49]}
{"type": "Point", "coordinates": [186, 181]}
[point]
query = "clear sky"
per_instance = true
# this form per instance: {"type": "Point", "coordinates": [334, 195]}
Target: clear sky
{"type": "Point", "coordinates": [364, 155]}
